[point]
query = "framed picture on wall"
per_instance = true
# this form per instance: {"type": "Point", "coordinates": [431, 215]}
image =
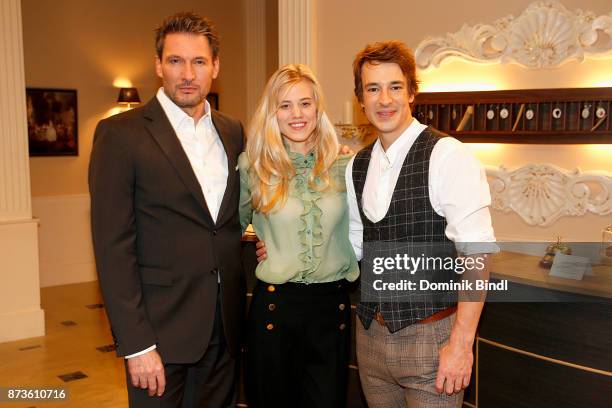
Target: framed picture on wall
{"type": "Point", "coordinates": [52, 122]}
{"type": "Point", "coordinates": [213, 99]}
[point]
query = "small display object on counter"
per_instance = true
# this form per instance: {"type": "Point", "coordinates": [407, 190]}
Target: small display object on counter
{"type": "Point", "coordinates": [548, 258]}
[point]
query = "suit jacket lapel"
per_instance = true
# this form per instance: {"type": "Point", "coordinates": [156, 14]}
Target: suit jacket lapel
{"type": "Point", "coordinates": [164, 134]}
{"type": "Point", "coordinates": [232, 161]}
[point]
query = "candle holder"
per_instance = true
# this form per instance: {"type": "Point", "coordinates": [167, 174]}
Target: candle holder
{"type": "Point", "coordinates": [606, 246]}
{"type": "Point", "coordinates": [249, 235]}
{"type": "Point", "coordinates": [349, 131]}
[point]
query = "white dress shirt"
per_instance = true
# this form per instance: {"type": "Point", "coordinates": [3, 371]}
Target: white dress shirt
{"type": "Point", "coordinates": [205, 152]}
{"type": "Point", "coordinates": [204, 149]}
{"type": "Point", "coordinates": [458, 191]}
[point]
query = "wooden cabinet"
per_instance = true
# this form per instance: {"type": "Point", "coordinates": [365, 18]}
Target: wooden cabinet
{"type": "Point", "coordinates": [556, 352]}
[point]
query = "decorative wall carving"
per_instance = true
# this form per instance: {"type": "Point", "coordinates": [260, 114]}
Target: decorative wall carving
{"type": "Point", "coordinates": [545, 35]}
{"type": "Point", "coordinates": [543, 193]}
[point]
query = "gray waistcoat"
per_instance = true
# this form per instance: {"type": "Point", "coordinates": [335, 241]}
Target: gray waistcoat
{"type": "Point", "coordinates": [410, 218]}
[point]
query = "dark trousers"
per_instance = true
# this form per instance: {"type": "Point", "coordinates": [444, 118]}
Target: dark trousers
{"type": "Point", "coordinates": [208, 383]}
{"type": "Point", "coordinates": [298, 340]}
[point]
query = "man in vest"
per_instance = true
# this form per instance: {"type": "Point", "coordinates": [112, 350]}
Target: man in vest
{"type": "Point", "coordinates": [413, 184]}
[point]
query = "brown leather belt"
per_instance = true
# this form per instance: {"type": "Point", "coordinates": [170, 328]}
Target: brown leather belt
{"type": "Point", "coordinates": [433, 318]}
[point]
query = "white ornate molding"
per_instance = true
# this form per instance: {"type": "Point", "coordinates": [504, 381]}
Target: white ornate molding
{"type": "Point", "coordinates": [543, 193]}
{"type": "Point", "coordinates": [545, 35]}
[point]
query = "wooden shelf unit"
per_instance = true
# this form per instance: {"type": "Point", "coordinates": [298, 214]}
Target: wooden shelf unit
{"type": "Point", "coordinates": [548, 116]}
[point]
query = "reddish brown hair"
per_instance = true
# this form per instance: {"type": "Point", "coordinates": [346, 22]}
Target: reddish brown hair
{"type": "Point", "coordinates": [393, 51]}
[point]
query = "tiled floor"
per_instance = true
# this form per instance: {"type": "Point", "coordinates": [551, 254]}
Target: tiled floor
{"type": "Point", "coordinates": [69, 350]}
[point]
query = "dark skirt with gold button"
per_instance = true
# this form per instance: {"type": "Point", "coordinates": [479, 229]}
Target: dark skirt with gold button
{"type": "Point", "coordinates": [298, 340]}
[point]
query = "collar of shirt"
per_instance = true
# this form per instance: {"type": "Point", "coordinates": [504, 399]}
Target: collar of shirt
{"type": "Point", "coordinates": [399, 149]}
{"type": "Point", "coordinates": [177, 117]}
{"type": "Point", "coordinates": [299, 160]}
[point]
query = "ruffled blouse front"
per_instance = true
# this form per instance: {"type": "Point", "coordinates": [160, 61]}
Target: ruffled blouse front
{"type": "Point", "coordinates": [306, 240]}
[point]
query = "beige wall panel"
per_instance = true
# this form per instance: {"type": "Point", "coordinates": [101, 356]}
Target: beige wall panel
{"type": "Point", "coordinates": [66, 252]}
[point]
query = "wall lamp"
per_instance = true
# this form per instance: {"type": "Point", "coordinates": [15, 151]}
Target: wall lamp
{"type": "Point", "coordinates": [128, 96]}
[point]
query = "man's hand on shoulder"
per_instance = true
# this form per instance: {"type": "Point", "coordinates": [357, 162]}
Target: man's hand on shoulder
{"type": "Point", "coordinates": [147, 371]}
{"type": "Point", "coordinates": [346, 149]}
{"type": "Point", "coordinates": [261, 252]}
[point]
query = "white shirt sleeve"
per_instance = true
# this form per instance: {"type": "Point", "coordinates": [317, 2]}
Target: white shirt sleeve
{"type": "Point", "coordinates": [459, 192]}
{"type": "Point", "coordinates": [153, 347]}
{"type": "Point", "coordinates": [355, 224]}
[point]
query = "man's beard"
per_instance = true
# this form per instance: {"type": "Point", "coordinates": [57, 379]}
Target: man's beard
{"type": "Point", "coordinates": [187, 101]}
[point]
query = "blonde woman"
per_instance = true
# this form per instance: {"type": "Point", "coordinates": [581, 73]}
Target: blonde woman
{"type": "Point", "coordinates": [292, 190]}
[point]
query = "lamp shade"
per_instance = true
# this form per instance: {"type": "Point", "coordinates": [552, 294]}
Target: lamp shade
{"type": "Point", "coordinates": [128, 95]}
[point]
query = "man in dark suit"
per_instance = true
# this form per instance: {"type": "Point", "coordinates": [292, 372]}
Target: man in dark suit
{"type": "Point", "coordinates": [164, 201]}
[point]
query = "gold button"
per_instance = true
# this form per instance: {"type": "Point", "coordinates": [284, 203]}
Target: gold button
{"type": "Point", "coordinates": [341, 306]}
{"type": "Point", "coordinates": [271, 288]}
{"type": "Point", "coordinates": [342, 326]}
{"type": "Point", "coordinates": [271, 307]}
{"type": "Point", "coordinates": [270, 326]}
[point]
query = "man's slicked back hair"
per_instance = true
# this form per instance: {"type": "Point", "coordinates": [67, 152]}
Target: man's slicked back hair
{"type": "Point", "coordinates": [187, 23]}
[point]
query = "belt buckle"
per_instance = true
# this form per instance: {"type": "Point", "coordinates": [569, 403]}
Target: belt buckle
{"type": "Point", "coordinates": [380, 319]}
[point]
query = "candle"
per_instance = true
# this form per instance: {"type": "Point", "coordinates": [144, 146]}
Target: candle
{"type": "Point", "coordinates": [347, 117]}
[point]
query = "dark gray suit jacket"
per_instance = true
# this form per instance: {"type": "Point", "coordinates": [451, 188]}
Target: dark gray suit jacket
{"type": "Point", "coordinates": [158, 251]}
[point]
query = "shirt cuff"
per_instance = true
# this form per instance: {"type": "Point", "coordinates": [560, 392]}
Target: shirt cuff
{"type": "Point", "coordinates": [153, 347]}
{"type": "Point", "coordinates": [471, 248]}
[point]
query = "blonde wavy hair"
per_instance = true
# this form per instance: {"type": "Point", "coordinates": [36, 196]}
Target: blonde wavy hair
{"type": "Point", "coordinates": [270, 167]}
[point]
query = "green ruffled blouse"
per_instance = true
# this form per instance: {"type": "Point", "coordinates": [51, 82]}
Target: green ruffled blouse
{"type": "Point", "coordinates": [306, 240]}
